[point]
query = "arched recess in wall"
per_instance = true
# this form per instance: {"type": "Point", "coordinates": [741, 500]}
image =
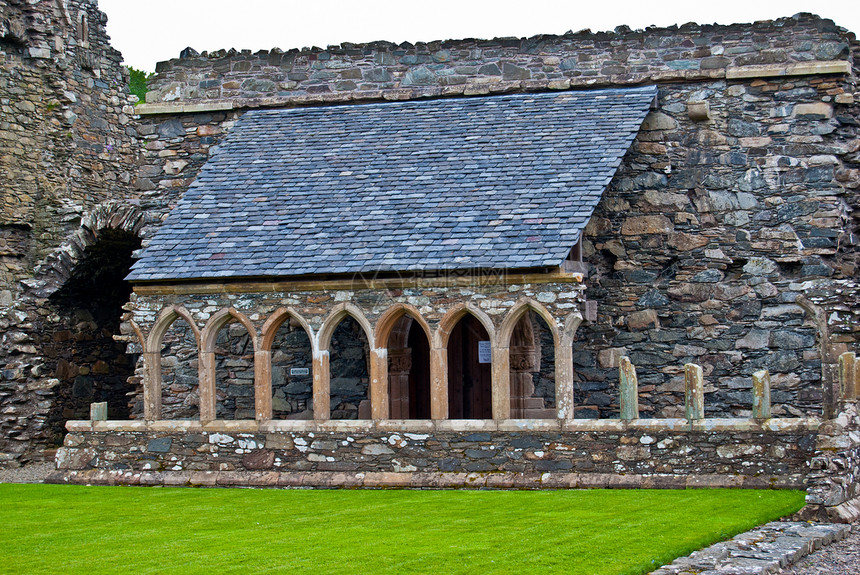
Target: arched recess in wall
{"type": "Point", "coordinates": [467, 335]}
{"type": "Point", "coordinates": [172, 351]}
{"type": "Point", "coordinates": [346, 335]}
{"type": "Point", "coordinates": [83, 285]}
{"type": "Point", "coordinates": [531, 336]}
{"type": "Point", "coordinates": [288, 336]}
{"type": "Point", "coordinates": [229, 342]}
{"type": "Point", "coordinates": [406, 336]}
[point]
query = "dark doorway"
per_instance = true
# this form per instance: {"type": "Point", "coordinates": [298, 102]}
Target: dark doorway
{"type": "Point", "coordinates": [408, 371]}
{"type": "Point", "coordinates": [469, 378]}
{"type": "Point", "coordinates": [79, 348]}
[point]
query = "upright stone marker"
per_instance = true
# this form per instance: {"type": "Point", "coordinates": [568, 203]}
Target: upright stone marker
{"type": "Point", "coordinates": [629, 388]}
{"type": "Point", "coordinates": [848, 376]}
{"type": "Point", "coordinates": [761, 394]}
{"type": "Point", "coordinates": [694, 400]}
{"type": "Point", "coordinates": [98, 411]}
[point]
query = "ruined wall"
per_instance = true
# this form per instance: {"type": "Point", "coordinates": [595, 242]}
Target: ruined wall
{"type": "Point", "coordinates": [66, 145]}
{"type": "Point", "coordinates": [358, 71]}
{"type": "Point", "coordinates": [770, 181]}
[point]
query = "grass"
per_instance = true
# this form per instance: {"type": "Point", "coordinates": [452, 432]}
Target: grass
{"type": "Point", "coordinates": [94, 530]}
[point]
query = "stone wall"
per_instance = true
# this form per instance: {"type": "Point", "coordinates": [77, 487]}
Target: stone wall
{"type": "Point", "coordinates": [726, 242]}
{"type": "Point", "coordinates": [834, 476]}
{"type": "Point", "coordinates": [660, 453]}
{"type": "Point", "coordinates": [730, 241]}
{"type": "Point", "coordinates": [67, 146]}
{"type": "Point", "coordinates": [688, 53]}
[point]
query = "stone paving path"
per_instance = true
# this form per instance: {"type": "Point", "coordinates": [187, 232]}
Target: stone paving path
{"type": "Point", "coordinates": [784, 548]}
{"type": "Point", "coordinates": [767, 549]}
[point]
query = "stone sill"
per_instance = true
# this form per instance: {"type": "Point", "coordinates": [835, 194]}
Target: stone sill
{"type": "Point", "coordinates": [777, 425]}
{"type": "Point", "coordinates": [422, 480]}
{"type": "Point", "coordinates": [810, 68]}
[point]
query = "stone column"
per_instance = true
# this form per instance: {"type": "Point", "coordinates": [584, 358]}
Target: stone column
{"type": "Point", "coordinates": [263, 385]}
{"type": "Point", "coordinates": [848, 376]}
{"type": "Point", "coordinates": [629, 392]}
{"type": "Point", "coordinates": [379, 384]}
{"type": "Point", "coordinates": [564, 380]}
{"type": "Point", "coordinates": [761, 394]}
{"type": "Point", "coordinates": [501, 383]}
{"type": "Point", "coordinates": [151, 386]}
{"type": "Point", "coordinates": [206, 386]}
{"type": "Point", "coordinates": [438, 383]}
{"type": "Point", "coordinates": [321, 390]}
{"type": "Point", "coordinates": [694, 400]}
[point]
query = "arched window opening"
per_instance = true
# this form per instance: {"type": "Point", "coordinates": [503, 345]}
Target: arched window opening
{"type": "Point", "coordinates": [79, 348]}
{"type": "Point", "coordinates": [408, 370]}
{"type": "Point", "coordinates": [349, 359]}
{"type": "Point", "coordinates": [180, 396]}
{"type": "Point", "coordinates": [532, 353]}
{"type": "Point", "coordinates": [292, 376]}
{"type": "Point", "coordinates": [469, 371]}
{"type": "Point", "coordinates": [234, 373]}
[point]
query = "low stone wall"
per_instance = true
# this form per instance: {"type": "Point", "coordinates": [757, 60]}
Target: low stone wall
{"type": "Point", "coordinates": [669, 453]}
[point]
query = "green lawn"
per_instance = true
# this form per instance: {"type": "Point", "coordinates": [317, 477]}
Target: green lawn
{"type": "Point", "coordinates": [92, 530]}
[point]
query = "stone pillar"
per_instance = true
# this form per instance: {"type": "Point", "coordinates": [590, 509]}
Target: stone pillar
{"type": "Point", "coordinates": [263, 385]}
{"type": "Point", "coordinates": [761, 394]}
{"type": "Point", "coordinates": [151, 386]}
{"type": "Point", "coordinates": [98, 411]}
{"type": "Point", "coordinates": [399, 366]}
{"type": "Point", "coordinates": [694, 400]}
{"type": "Point", "coordinates": [564, 380]}
{"type": "Point", "coordinates": [629, 392]}
{"type": "Point", "coordinates": [322, 389]}
{"type": "Point", "coordinates": [379, 384]}
{"type": "Point", "coordinates": [501, 383]}
{"type": "Point", "coordinates": [848, 384]}
{"type": "Point", "coordinates": [206, 386]}
{"type": "Point", "coordinates": [438, 383]}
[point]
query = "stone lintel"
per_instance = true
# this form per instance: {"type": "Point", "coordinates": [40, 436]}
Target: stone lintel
{"type": "Point", "coordinates": [258, 286]}
{"type": "Point", "coordinates": [799, 69]}
{"type": "Point", "coordinates": [775, 425]}
{"type": "Point", "coordinates": [183, 107]}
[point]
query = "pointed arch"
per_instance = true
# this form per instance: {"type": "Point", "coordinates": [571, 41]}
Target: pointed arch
{"type": "Point", "coordinates": [274, 323]}
{"type": "Point", "coordinates": [522, 307]}
{"type": "Point", "coordinates": [219, 320]}
{"type": "Point", "coordinates": [572, 321]}
{"type": "Point", "coordinates": [454, 315]}
{"type": "Point", "coordinates": [337, 314]}
{"type": "Point", "coordinates": [388, 320]}
{"type": "Point", "coordinates": [163, 322]}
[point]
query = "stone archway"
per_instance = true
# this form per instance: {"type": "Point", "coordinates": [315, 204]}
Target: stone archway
{"type": "Point", "coordinates": [83, 289]}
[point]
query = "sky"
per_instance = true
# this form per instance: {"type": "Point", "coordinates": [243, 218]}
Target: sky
{"type": "Point", "coordinates": [150, 31]}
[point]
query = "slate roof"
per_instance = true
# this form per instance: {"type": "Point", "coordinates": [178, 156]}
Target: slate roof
{"type": "Point", "coordinates": [488, 182]}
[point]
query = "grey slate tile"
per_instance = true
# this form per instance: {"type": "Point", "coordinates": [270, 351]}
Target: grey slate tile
{"type": "Point", "coordinates": [498, 181]}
